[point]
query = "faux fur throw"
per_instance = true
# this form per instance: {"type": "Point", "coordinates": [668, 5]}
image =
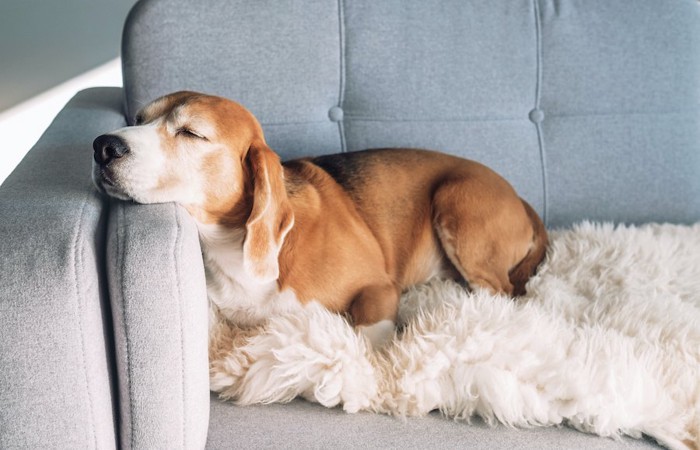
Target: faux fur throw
{"type": "Point", "coordinates": [607, 341]}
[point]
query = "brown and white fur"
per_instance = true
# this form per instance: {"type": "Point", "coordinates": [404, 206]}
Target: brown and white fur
{"type": "Point", "coordinates": [350, 231]}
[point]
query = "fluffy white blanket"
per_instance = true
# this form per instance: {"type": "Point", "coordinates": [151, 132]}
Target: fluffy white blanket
{"type": "Point", "coordinates": [607, 341]}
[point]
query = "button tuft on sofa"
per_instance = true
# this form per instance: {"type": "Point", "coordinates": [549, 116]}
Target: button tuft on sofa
{"type": "Point", "coordinates": [536, 115]}
{"type": "Point", "coordinates": [335, 114]}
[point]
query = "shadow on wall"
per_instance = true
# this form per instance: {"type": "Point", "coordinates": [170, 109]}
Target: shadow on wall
{"type": "Point", "coordinates": [44, 43]}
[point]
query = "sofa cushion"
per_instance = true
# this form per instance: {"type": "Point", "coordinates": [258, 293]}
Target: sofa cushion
{"type": "Point", "coordinates": [288, 51]}
{"type": "Point", "coordinates": [591, 109]}
{"type": "Point", "coordinates": [300, 424]}
{"type": "Point", "coordinates": [55, 331]}
{"type": "Point", "coordinates": [159, 306]}
{"type": "Point", "coordinates": [621, 96]}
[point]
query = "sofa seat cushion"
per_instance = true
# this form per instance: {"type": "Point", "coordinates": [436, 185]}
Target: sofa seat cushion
{"type": "Point", "coordinates": [301, 424]}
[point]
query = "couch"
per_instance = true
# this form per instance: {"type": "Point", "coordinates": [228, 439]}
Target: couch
{"type": "Point", "coordinates": [590, 108]}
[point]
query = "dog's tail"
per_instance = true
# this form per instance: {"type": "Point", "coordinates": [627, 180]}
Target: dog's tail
{"type": "Point", "coordinates": [521, 273]}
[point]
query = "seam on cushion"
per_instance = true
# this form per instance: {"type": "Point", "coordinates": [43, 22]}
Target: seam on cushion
{"type": "Point", "coordinates": [77, 259]}
{"type": "Point", "coordinates": [444, 120]}
{"type": "Point", "coordinates": [294, 122]}
{"type": "Point", "coordinates": [109, 317]}
{"type": "Point", "coordinates": [538, 125]}
{"type": "Point", "coordinates": [121, 263]}
{"type": "Point", "coordinates": [177, 252]}
{"type": "Point", "coordinates": [628, 113]}
{"type": "Point", "coordinates": [341, 93]}
{"type": "Point", "coordinates": [520, 118]}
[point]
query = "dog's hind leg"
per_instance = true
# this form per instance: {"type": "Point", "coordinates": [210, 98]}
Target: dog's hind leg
{"type": "Point", "coordinates": [483, 233]}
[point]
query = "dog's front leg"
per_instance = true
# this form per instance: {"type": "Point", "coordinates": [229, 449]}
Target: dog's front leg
{"type": "Point", "coordinates": [374, 312]}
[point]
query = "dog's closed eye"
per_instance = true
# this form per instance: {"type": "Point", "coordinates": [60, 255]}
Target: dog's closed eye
{"type": "Point", "coordinates": [187, 132]}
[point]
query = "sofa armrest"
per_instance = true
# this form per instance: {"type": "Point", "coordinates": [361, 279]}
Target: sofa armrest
{"type": "Point", "coordinates": [159, 305]}
{"type": "Point", "coordinates": [55, 329]}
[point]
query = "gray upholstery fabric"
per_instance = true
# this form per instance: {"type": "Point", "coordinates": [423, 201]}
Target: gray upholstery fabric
{"type": "Point", "coordinates": [300, 424]}
{"type": "Point", "coordinates": [591, 109]}
{"type": "Point", "coordinates": [159, 305]}
{"type": "Point", "coordinates": [236, 48]}
{"type": "Point", "coordinates": [55, 344]}
{"type": "Point", "coordinates": [621, 96]}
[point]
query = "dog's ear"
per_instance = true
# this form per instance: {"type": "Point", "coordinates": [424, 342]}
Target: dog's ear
{"type": "Point", "coordinates": [271, 216]}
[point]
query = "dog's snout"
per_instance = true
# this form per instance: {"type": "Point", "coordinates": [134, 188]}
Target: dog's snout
{"type": "Point", "coordinates": [109, 147]}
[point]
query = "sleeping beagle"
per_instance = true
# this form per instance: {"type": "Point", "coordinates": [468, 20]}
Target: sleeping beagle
{"type": "Point", "coordinates": [351, 231]}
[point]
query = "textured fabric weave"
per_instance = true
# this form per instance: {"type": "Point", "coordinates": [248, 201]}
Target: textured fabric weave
{"type": "Point", "coordinates": [159, 305]}
{"type": "Point", "coordinates": [305, 425]}
{"type": "Point", "coordinates": [55, 330]}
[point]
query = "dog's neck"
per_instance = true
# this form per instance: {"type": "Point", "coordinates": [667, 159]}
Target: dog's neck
{"type": "Point", "coordinates": [236, 296]}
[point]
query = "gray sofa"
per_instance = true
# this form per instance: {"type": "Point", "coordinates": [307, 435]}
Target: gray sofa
{"type": "Point", "coordinates": [590, 108]}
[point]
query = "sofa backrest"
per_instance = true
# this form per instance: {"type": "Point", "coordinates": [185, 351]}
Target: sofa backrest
{"type": "Point", "coordinates": [590, 108]}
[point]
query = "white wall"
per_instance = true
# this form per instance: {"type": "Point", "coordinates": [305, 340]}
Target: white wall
{"type": "Point", "coordinates": [22, 125]}
{"type": "Point", "coordinates": [46, 42]}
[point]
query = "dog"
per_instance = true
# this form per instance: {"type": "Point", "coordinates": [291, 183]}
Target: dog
{"type": "Point", "coordinates": [351, 230]}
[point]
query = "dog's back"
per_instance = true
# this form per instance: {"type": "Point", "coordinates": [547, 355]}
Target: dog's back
{"type": "Point", "coordinates": [411, 200]}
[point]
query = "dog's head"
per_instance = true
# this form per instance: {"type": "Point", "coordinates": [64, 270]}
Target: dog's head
{"type": "Point", "coordinates": [208, 154]}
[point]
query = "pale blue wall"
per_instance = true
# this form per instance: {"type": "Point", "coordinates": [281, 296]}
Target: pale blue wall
{"type": "Point", "coordinates": [45, 42]}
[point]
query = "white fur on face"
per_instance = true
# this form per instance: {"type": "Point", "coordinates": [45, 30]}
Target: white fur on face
{"type": "Point", "coordinates": [149, 173]}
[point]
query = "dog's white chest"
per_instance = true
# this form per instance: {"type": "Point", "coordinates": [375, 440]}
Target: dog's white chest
{"type": "Point", "coordinates": [238, 297]}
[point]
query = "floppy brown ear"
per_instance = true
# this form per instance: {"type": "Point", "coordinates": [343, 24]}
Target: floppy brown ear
{"type": "Point", "coordinates": [271, 217]}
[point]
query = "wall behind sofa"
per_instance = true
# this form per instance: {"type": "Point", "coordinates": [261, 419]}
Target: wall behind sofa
{"type": "Point", "coordinates": [44, 43]}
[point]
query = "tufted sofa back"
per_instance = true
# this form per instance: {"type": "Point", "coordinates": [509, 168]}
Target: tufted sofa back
{"type": "Point", "coordinates": [591, 108]}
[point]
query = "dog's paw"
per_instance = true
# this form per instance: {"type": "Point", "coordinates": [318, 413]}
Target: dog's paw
{"type": "Point", "coordinates": [378, 334]}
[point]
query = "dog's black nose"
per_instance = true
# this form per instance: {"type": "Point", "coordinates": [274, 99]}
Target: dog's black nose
{"type": "Point", "coordinates": [109, 147]}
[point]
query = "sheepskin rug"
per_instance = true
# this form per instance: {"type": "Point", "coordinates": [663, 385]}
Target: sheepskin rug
{"type": "Point", "coordinates": [607, 341]}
